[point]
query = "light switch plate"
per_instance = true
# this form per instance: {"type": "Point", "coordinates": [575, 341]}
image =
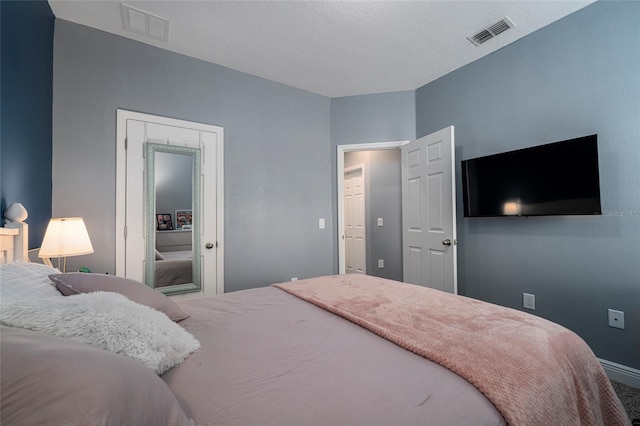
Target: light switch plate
{"type": "Point", "coordinates": [616, 319]}
{"type": "Point", "coordinates": [529, 301]}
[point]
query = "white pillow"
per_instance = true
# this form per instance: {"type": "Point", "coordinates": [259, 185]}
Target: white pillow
{"type": "Point", "coordinates": [108, 321]}
{"type": "Point", "coordinates": [26, 281]}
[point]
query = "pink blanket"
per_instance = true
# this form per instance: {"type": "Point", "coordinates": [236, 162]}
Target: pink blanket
{"type": "Point", "coordinates": [534, 371]}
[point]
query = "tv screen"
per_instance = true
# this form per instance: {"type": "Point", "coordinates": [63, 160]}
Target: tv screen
{"type": "Point", "coordinates": [559, 178]}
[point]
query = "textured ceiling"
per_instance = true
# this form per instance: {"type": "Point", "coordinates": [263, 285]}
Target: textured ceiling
{"type": "Point", "coordinates": [332, 48]}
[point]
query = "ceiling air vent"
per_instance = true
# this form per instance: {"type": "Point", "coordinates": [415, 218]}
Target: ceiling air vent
{"type": "Point", "coordinates": [491, 31]}
{"type": "Point", "coordinates": [144, 23]}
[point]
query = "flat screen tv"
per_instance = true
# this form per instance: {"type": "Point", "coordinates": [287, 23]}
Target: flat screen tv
{"type": "Point", "coordinates": [559, 178]}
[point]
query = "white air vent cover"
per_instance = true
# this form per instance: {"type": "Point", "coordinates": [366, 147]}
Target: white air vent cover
{"type": "Point", "coordinates": [491, 31]}
{"type": "Point", "coordinates": [145, 23]}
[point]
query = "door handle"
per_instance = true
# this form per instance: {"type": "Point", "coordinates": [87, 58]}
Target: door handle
{"type": "Point", "coordinates": [446, 242]}
{"type": "Point", "coordinates": [208, 246]}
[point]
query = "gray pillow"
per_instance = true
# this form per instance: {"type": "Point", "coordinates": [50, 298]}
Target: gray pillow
{"type": "Point", "coordinates": [78, 282]}
{"type": "Point", "coordinates": [108, 321]}
{"type": "Point", "coordinates": [49, 380]}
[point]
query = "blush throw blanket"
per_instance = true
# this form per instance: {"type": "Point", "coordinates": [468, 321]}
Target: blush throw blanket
{"type": "Point", "coordinates": [534, 371]}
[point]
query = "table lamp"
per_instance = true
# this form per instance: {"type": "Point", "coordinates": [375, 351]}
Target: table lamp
{"type": "Point", "coordinates": [64, 237]}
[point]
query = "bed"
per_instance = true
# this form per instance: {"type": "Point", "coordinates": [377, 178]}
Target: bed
{"type": "Point", "coordinates": [337, 350]}
{"type": "Point", "coordinates": [173, 267]}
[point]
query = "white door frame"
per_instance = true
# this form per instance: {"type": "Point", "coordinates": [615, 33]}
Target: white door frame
{"type": "Point", "coordinates": [341, 150]}
{"type": "Point", "coordinates": [121, 185]}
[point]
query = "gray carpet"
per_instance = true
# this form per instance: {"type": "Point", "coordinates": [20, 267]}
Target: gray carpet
{"type": "Point", "coordinates": [630, 398]}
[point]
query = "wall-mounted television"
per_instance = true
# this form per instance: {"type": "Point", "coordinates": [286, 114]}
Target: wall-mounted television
{"type": "Point", "coordinates": [559, 178]}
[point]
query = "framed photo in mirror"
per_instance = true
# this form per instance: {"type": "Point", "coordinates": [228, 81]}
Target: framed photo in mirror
{"type": "Point", "coordinates": [163, 222]}
{"type": "Point", "coordinates": [184, 219]}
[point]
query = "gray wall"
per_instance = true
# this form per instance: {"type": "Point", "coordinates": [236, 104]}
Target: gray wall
{"type": "Point", "coordinates": [383, 188]}
{"type": "Point", "coordinates": [277, 157]}
{"type": "Point", "coordinates": [362, 119]}
{"type": "Point", "coordinates": [576, 77]}
{"type": "Point", "coordinates": [386, 202]}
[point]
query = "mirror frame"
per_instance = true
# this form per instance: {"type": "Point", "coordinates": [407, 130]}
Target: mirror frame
{"type": "Point", "coordinates": [150, 217]}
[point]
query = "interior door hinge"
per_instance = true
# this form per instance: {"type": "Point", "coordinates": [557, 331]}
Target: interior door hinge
{"type": "Point", "coordinates": [126, 144]}
{"type": "Point", "coordinates": [125, 232]}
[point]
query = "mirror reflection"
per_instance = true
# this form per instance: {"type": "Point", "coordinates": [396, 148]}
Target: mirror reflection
{"type": "Point", "coordinates": [172, 264]}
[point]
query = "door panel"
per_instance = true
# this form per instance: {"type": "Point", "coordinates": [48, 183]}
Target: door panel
{"type": "Point", "coordinates": [437, 272]}
{"type": "Point", "coordinates": [354, 221]}
{"type": "Point", "coordinates": [209, 212]}
{"type": "Point", "coordinates": [412, 264]}
{"type": "Point", "coordinates": [428, 205]}
{"type": "Point", "coordinates": [413, 205]}
{"type": "Point", "coordinates": [174, 133]}
{"type": "Point", "coordinates": [134, 219]}
{"type": "Point", "coordinates": [435, 206]}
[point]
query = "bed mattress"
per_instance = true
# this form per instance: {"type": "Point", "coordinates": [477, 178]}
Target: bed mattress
{"type": "Point", "coordinates": [270, 358]}
{"type": "Point", "coordinates": [175, 268]}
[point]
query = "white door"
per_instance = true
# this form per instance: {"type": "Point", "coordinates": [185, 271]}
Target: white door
{"type": "Point", "coordinates": [135, 130]}
{"type": "Point", "coordinates": [429, 211]}
{"type": "Point", "coordinates": [354, 221]}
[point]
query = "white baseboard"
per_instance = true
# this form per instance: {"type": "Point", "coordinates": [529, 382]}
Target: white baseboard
{"type": "Point", "coordinates": [621, 373]}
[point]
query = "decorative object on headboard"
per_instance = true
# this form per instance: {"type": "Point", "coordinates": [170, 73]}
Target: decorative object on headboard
{"type": "Point", "coordinates": [16, 213]}
{"type": "Point", "coordinates": [65, 236]}
{"type": "Point", "coordinates": [15, 234]}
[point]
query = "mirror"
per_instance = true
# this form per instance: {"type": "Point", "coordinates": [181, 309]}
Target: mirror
{"type": "Point", "coordinates": [172, 210]}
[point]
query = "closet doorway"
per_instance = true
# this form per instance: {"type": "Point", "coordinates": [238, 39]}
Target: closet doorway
{"type": "Point", "coordinates": [369, 209]}
{"type": "Point", "coordinates": [428, 211]}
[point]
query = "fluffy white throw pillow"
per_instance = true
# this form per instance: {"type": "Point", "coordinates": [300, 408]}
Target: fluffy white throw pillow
{"type": "Point", "coordinates": [109, 321]}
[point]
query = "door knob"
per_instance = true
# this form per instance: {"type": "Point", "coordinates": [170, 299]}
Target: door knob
{"type": "Point", "coordinates": [209, 246]}
{"type": "Point", "coordinates": [447, 242]}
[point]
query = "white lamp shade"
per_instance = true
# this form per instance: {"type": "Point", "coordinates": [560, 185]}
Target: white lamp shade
{"type": "Point", "coordinates": [64, 237]}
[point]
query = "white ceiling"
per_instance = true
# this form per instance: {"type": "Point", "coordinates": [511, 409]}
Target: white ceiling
{"type": "Point", "coordinates": [332, 48]}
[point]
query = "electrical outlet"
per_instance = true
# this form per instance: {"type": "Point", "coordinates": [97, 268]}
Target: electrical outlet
{"type": "Point", "coordinates": [294, 278]}
{"type": "Point", "coordinates": [380, 263]}
{"type": "Point", "coordinates": [529, 301]}
{"type": "Point", "coordinates": [616, 319]}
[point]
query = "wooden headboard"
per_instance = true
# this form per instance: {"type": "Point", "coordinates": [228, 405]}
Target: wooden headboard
{"type": "Point", "coordinates": [14, 242]}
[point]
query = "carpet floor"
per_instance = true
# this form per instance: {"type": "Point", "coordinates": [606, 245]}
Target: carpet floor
{"type": "Point", "coordinates": [630, 398]}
